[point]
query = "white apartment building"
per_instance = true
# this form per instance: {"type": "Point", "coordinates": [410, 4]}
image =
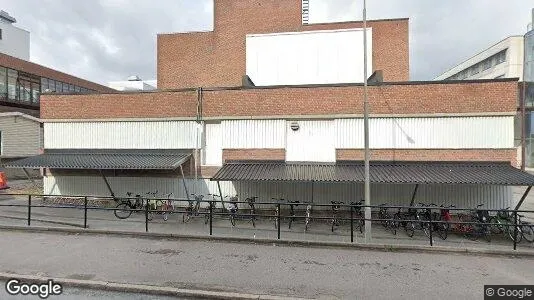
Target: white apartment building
{"type": "Point", "coordinates": [502, 60]}
{"type": "Point", "coordinates": [14, 41]}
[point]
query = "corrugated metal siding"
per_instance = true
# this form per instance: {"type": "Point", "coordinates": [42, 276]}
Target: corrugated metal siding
{"type": "Point", "coordinates": [428, 133]}
{"type": "Point", "coordinates": [253, 134]}
{"type": "Point", "coordinates": [213, 145]}
{"type": "Point", "coordinates": [494, 197]}
{"type": "Point", "coordinates": [314, 141]}
{"type": "Point", "coordinates": [20, 136]}
{"type": "Point", "coordinates": [121, 135]}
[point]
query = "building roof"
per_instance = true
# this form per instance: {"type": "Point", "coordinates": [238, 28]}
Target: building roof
{"type": "Point", "coordinates": [42, 71]}
{"type": "Point", "coordinates": [105, 159]}
{"type": "Point", "coordinates": [19, 114]}
{"type": "Point", "coordinates": [410, 172]}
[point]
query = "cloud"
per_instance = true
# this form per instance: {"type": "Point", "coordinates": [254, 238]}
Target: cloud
{"type": "Point", "coordinates": [107, 40]}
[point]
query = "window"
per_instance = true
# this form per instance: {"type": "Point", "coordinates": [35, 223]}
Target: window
{"type": "Point", "coordinates": [65, 87]}
{"type": "Point", "coordinates": [3, 83]}
{"type": "Point", "coordinates": [36, 91]}
{"type": "Point", "coordinates": [77, 89]}
{"type": "Point", "coordinates": [71, 88]}
{"type": "Point", "coordinates": [44, 84]}
{"type": "Point", "coordinates": [12, 84]}
{"type": "Point", "coordinates": [59, 87]}
{"type": "Point", "coordinates": [486, 64]}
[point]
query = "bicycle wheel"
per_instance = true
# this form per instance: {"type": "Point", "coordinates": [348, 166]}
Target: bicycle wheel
{"type": "Point", "coordinates": [511, 233]}
{"type": "Point", "coordinates": [150, 216]}
{"type": "Point", "coordinates": [443, 230]}
{"type": "Point", "coordinates": [290, 222]}
{"type": "Point", "coordinates": [253, 217]}
{"type": "Point", "coordinates": [410, 228]}
{"type": "Point", "coordinates": [528, 232]}
{"type": "Point", "coordinates": [361, 225]}
{"type": "Point", "coordinates": [307, 222]}
{"type": "Point", "coordinates": [165, 216]}
{"type": "Point", "coordinates": [232, 220]}
{"type": "Point", "coordinates": [472, 232]}
{"type": "Point", "coordinates": [186, 217]}
{"type": "Point", "coordinates": [497, 227]}
{"type": "Point", "coordinates": [123, 211]}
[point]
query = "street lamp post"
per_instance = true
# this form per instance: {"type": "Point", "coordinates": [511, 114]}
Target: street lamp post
{"type": "Point", "coordinates": [367, 187]}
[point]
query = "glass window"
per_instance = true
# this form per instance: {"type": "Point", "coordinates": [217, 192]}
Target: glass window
{"type": "Point", "coordinates": [65, 87]}
{"type": "Point", "coordinates": [59, 86]}
{"type": "Point", "coordinates": [36, 91]}
{"type": "Point", "coordinates": [44, 84]}
{"type": "Point", "coordinates": [12, 84]}
{"type": "Point", "coordinates": [71, 88]}
{"type": "Point", "coordinates": [3, 83]}
{"type": "Point", "coordinates": [77, 89]}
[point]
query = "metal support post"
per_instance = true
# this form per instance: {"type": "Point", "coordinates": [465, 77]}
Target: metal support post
{"type": "Point", "coordinates": [85, 212]}
{"type": "Point", "coordinates": [278, 219]}
{"type": "Point", "coordinates": [29, 209]}
{"type": "Point", "coordinates": [211, 217]}
{"type": "Point", "coordinates": [146, 216]}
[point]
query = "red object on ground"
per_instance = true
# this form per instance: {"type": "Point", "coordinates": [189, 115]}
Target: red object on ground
{"type": "Point", "coordinates": [3, 181]}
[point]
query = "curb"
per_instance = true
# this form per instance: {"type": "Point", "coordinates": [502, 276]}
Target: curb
{"type": "Point", "coordinates": [290, 243]}
{"type": "Point", "coordinates": [140, 288]}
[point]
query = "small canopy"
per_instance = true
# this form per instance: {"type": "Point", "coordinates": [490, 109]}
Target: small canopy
{"type": "Point", "coordinates": [105, 159]}
{"type": "Point", "coordinates": [408, 172]}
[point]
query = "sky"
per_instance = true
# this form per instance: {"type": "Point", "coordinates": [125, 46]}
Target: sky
{"type": "Point", "coordinates": [109, 40]}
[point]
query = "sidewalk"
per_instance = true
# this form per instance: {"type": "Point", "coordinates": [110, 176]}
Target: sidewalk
{"type": "Point", "coordinates": [319, 231]}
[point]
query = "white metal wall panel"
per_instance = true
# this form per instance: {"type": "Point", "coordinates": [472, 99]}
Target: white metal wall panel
{"type": "Point", "coordinates": [428, 133]}
{"type": "Point", "coordinates": [253, 134]}
{"type": "Point", "coordinates": [213, 145]}
{"type": "Point", "coordinates": [312, 57]}
{"type": "Point", "coordinates": [121, 135]}
{"type": "Point", "coordinates": [313, 141]}
{"type": "Point", "coordinates": [494, 197]}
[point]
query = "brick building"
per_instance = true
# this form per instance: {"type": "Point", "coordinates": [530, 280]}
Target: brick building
{"type": "Point", "coordinates": [299, 142]}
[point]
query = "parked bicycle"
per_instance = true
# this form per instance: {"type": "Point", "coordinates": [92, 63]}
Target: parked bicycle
{"type": "Point", "coordinates": [335, 222]}
{"type": "Point", "coordinates": [168, 207]}
{"type": "Point", "coordinates": [126, 206]}
{"type": "Point", "coordinates": [359, 214]}
{"type": "Point", "coordinates": [504, 223]}
{"type": "Point", "coordinates": [193, 207]}
{"type": "Point", "coordinates": [292, 215]}
{"type": "Point", "coordinates": [276, 211]}
{"type": "Point", "coordinates": [234, 210]}
{"type": "Point", "coordinates": [480, 228]}
{"type": "Point", "coordinates": [385, 219]}
{"type": "Point", "coordinates": [307, 219]}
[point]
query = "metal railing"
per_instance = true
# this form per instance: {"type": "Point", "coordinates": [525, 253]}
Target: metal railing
{"type": "Point", "coordinates": [352, 213]}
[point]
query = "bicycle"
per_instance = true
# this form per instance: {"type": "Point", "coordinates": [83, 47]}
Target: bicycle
{"type": "Point", "coordinates": [292, 215]}
{"type": "Point", "coordinates": [335, 222]}
{"type": "Point", "coordinates": [385, 218]}
{"type": "Point", "coordinates": [308, 217]}
{"type": "Point", "coordinates": [168, 207]}
{"type": "Point", "coordinates": [213, 206]}
{"type": "Point", "coordinates": [192, 208]}
{"type": "Point", "coordinates": [232, 209]}
{"type": "Point", "coordinates": [480, 228]}
{"type": "Point", "coordinates": [358, 208]}
{"type": "Point", "coordinates": [124, 209]}
{"type": "Point", "coordinates": [417, 221]}
{"type": "Point", "coordinates": [503, 223]}
{"type": "Point", "coordinates": [527, 229]}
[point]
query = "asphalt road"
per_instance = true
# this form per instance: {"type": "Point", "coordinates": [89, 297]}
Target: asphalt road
{"type": "Point", "coordinates": [263, 269]}
{"type": "Point", "coordinates": [86, 294]}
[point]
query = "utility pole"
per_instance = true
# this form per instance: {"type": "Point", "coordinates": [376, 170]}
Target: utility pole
{"type": "Point", "coordinates": [367, 187]}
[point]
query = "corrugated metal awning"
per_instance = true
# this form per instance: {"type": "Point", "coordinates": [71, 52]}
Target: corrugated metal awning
{"type": "Point", "coordinates": [412, 172]}
{"type": "Point", "coordinates": [105, 159]}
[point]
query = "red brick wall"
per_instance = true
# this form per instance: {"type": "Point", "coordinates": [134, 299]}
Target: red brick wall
{"type": "Point", "coordinates": [387, 99]}
{"type": "Point", "coordinates": [218, 58]}
{"type": "Point", "coordinates": [254, 154]}
{"type": "Point", "coordinates": [431, 154]}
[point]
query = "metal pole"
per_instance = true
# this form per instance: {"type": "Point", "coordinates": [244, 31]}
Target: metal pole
{"type": "Point", "coordinates": [351, 224]}
{"type": "Point", "coordinates": [367, 187]}
{"type": "Point", "coordinates": [211, 217]}
{"type": "Point", "coordinates": [146, 216]}
{"type": "Point", "coordinates": [429, 212]}
{"type": "Point", "coordinates": [278, 219]}
{"type": "Point", "coordinates": [85, 212]}
{"type": "Point", "coordinates": [523, 125]}
{"type": "Point", "coordinates": [29, 209]}
{"type": "Point", "coordinates": [523, 198]}
{"type": "Point", "coordinates": [515, 230]}
{"type": "Point", "coordinates": [185, 185]}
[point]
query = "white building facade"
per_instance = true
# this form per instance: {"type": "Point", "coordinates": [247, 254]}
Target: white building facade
{"type": "Point", "coordinates": [14, 41]}
{"type": "Point", "coordinates": [502, 60]}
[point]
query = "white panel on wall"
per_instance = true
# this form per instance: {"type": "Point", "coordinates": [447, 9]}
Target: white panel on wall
{"type": "Point", "coordinates": [428, 133]}
{"type": "Point", "coordinates": [313, 141]}
{"type": "Point", "coordinates": [468, 196]}
{"type": "Point", "coordinates": [253, 134]}
{"type": "Point", "coordinates": [121, 135]}
{"type": "Point", "coordinates": [311, 57]}
{"type": "Point", "coordinates": [213, 145]}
